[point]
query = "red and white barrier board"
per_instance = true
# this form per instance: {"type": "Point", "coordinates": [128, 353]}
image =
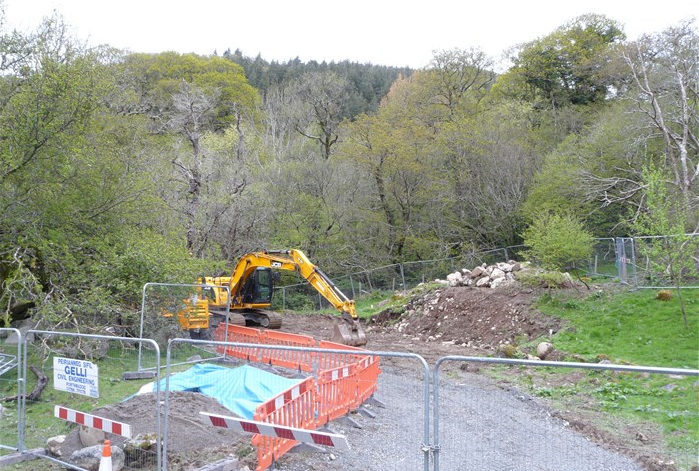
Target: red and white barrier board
{"type": "Point", "coordinates": [335, 440]}
{"type": "Point", "coordinates": [109, 426]}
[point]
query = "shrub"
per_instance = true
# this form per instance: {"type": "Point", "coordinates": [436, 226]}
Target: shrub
{"type": "Point", "coordinates": [558, 242]}
{"type": "Point", "coordinates": [663, 295]}
{"type": "Point", "coordinates": [543, 279]}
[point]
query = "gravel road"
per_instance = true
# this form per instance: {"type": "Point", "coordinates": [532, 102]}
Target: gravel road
{"type": "Point", "coordinates": [482, 427]}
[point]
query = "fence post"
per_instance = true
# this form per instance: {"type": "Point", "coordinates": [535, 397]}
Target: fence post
{"type": "Point", "coordinates": [352, 285]}
{"type": "Point", "coordinates": [368, 281]}
{"type": "Point", "coordinates": [402, 276]}
{"type": "Point", "coordinates": [621, 259]}
{"type": "Point", "coordinates": [283, 298]}
{"type": "Point", "coordinates": [633, 262]}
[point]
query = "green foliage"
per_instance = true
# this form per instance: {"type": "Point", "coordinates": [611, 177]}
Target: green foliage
{"type": "Point", "coordinates": [628, 326]}
{"type": "Point", "coordinates": [665, 218]}
{"type": "Point", "coordinates": [369, 82]}
{"type": "Point", "coordinates": [567, 66]}
{"type": "Point", "coordinates": [543, 279]}
{"type": "Point", "coordinates": [558, 242]}
{"type": "Point", "coordinates": [117, 169]}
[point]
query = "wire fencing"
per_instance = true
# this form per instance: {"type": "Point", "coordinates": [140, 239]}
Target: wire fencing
{"type": "Point", "coordinates": [467, 413]}
{"type": "Point", "coordinates": [77, 394]}
{"type": "Point", "coordinates": [559, 415]}
{"type": "Point", "coordinates": [11, 379]}
{"type": "Point", "coordinates": [639, 262]}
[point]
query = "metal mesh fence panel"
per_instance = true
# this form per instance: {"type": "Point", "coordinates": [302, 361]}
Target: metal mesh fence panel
{"type": "Point", "coordinates": [166, 312]}
{"type": "Point", "coordinates": [78, 389]}
{"type": "Point", "coordinates": [516, 253]}
{"type": "Point", "coordinates": [603, 260]}
{"type": "Point", "coordinates": [429, 270]}
{"type": "Point", "coordinates": [553, 416]}
{"type": "Point", "coordinates": [656, 260]}
{"type": "Point", "coordinates": [386, 427]}
{"type": "Point", "coordinates": [10, 386]}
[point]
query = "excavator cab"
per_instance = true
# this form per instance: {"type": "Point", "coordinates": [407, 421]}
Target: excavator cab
{"type": "Point", "coordinates": [259, 287]}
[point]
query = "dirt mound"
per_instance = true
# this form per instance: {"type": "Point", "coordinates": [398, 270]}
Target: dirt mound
{"type": "Point", "coordinates": [190, 438]}
{"type": "Point", "coordinates": [478, 318]}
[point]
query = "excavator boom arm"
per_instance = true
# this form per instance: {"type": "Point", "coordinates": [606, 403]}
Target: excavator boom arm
{"type": "Point", "coordinates": [291, 260]}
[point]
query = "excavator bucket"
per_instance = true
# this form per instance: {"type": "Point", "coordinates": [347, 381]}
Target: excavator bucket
{"type": "Point", "coordinates": [349, 333]}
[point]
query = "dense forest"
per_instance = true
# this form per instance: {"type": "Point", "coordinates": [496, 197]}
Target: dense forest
{"type": "Point", "coordinates": [118, 169]}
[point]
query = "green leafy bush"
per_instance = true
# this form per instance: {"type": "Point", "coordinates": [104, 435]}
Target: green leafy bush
{"type": "Point", "coordinates": [558, 242]}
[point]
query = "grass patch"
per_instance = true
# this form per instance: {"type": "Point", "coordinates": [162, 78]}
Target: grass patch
{"type": "Point", "coordinates": [632, 327]}
{"type": "Point", "coordinates": [40, 420]}
{"type": "Point", "coordinates": [627, 328]}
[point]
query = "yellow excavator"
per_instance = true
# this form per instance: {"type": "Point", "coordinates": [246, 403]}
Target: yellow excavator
{"type": "Point", "coordinates": [251, 286]}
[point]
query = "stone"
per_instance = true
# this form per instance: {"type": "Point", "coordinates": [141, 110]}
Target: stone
{"type": "Point", "coordinates": [497, 273]}
{"type": "Point", "coordinates": [89, 458]}
{"type": "Point", "coordinates": [506, 267]}
{"type": "Point", "coordinates": [53, 445]}
{"type": "Point", "coordinates": [454, 279]}
{"type": "Point", "coordinates": [543, 350]}
{"type": "Point", "coordinates": [91, 436]}
{"type": "Point", "coordinates": [498, 282]}
{"type": "Point", "coordinates": [477, 272]}
{"type": "Point", "coordinates": [483, 282]}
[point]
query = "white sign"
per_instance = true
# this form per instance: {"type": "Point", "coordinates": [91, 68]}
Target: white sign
{"type": "Point", "coordinates": [76, 376]}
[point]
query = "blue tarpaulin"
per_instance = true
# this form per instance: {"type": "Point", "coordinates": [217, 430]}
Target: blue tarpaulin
{"type": "Point", "coordinates": [240, 390]}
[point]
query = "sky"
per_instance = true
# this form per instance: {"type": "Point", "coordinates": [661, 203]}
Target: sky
{"type": "Point", "coordinates": [380, 32]}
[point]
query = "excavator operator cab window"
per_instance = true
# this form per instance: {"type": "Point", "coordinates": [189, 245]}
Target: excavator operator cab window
{"type": "Point", "coordinates": [259, 287]}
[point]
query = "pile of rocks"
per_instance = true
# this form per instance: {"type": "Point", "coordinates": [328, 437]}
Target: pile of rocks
{"type": "Point", "coordinates": [486, 276]}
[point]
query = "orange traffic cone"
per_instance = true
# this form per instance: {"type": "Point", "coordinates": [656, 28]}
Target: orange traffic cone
{"type": "Point", "coordinates": [106, 461]}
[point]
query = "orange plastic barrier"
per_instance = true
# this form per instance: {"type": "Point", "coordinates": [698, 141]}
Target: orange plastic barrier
{"type": "Point", "coordinates": [337, 393]}
{"type": "Point", "coordinates": [294, 359]}
{"type": "Point", "coordinates": [329, 360]}
{"type": "Point", "coordinates": [239, 334]}
{"type": "Point", "coordinates": [367, 376]}
{"type": "Point", "coordinates": [344, 382]}
{"type": "Point", "coordinates": [292, 408]}
{"type": "Point", "coordinates": [366, 367]}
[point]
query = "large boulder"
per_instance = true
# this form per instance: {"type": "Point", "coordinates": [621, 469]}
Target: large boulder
{"type": "Point", "coordinates": [455, 279]}
{"type": "Point", "coordinates": [53, 445]}
{"type": "Point", "coordinates": [89, 458]}
{"type": "Point", "coordinates": [543, 350]}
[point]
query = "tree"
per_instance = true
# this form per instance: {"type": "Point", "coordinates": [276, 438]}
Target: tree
{"type": "Point", "coordinates": [318, 99]}
{"type": "Point", "coordinates": [461, 74]}
{"type": "Point", "coordinates": [567, 67]}
{"type": "Point", "coordinates": [664, 70]}
{"type": "Point", "coordinates": [670, 250]}
{"type": "Point", "coordinates": [597, 173]}
{"type": "Point", "coordinates": [188, 96]}
{"type": "Point", "coordinates": [50, 87]}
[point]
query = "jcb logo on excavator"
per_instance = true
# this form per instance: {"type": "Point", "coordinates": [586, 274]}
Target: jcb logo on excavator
{"type": "Point", "coordinates": [276, 264]}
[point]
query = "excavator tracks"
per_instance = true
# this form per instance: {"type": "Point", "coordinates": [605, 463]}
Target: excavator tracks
{"type": "Point", "coordinates": [262, 318]}
{"type": "Point", "coordinates": [252, 318]}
